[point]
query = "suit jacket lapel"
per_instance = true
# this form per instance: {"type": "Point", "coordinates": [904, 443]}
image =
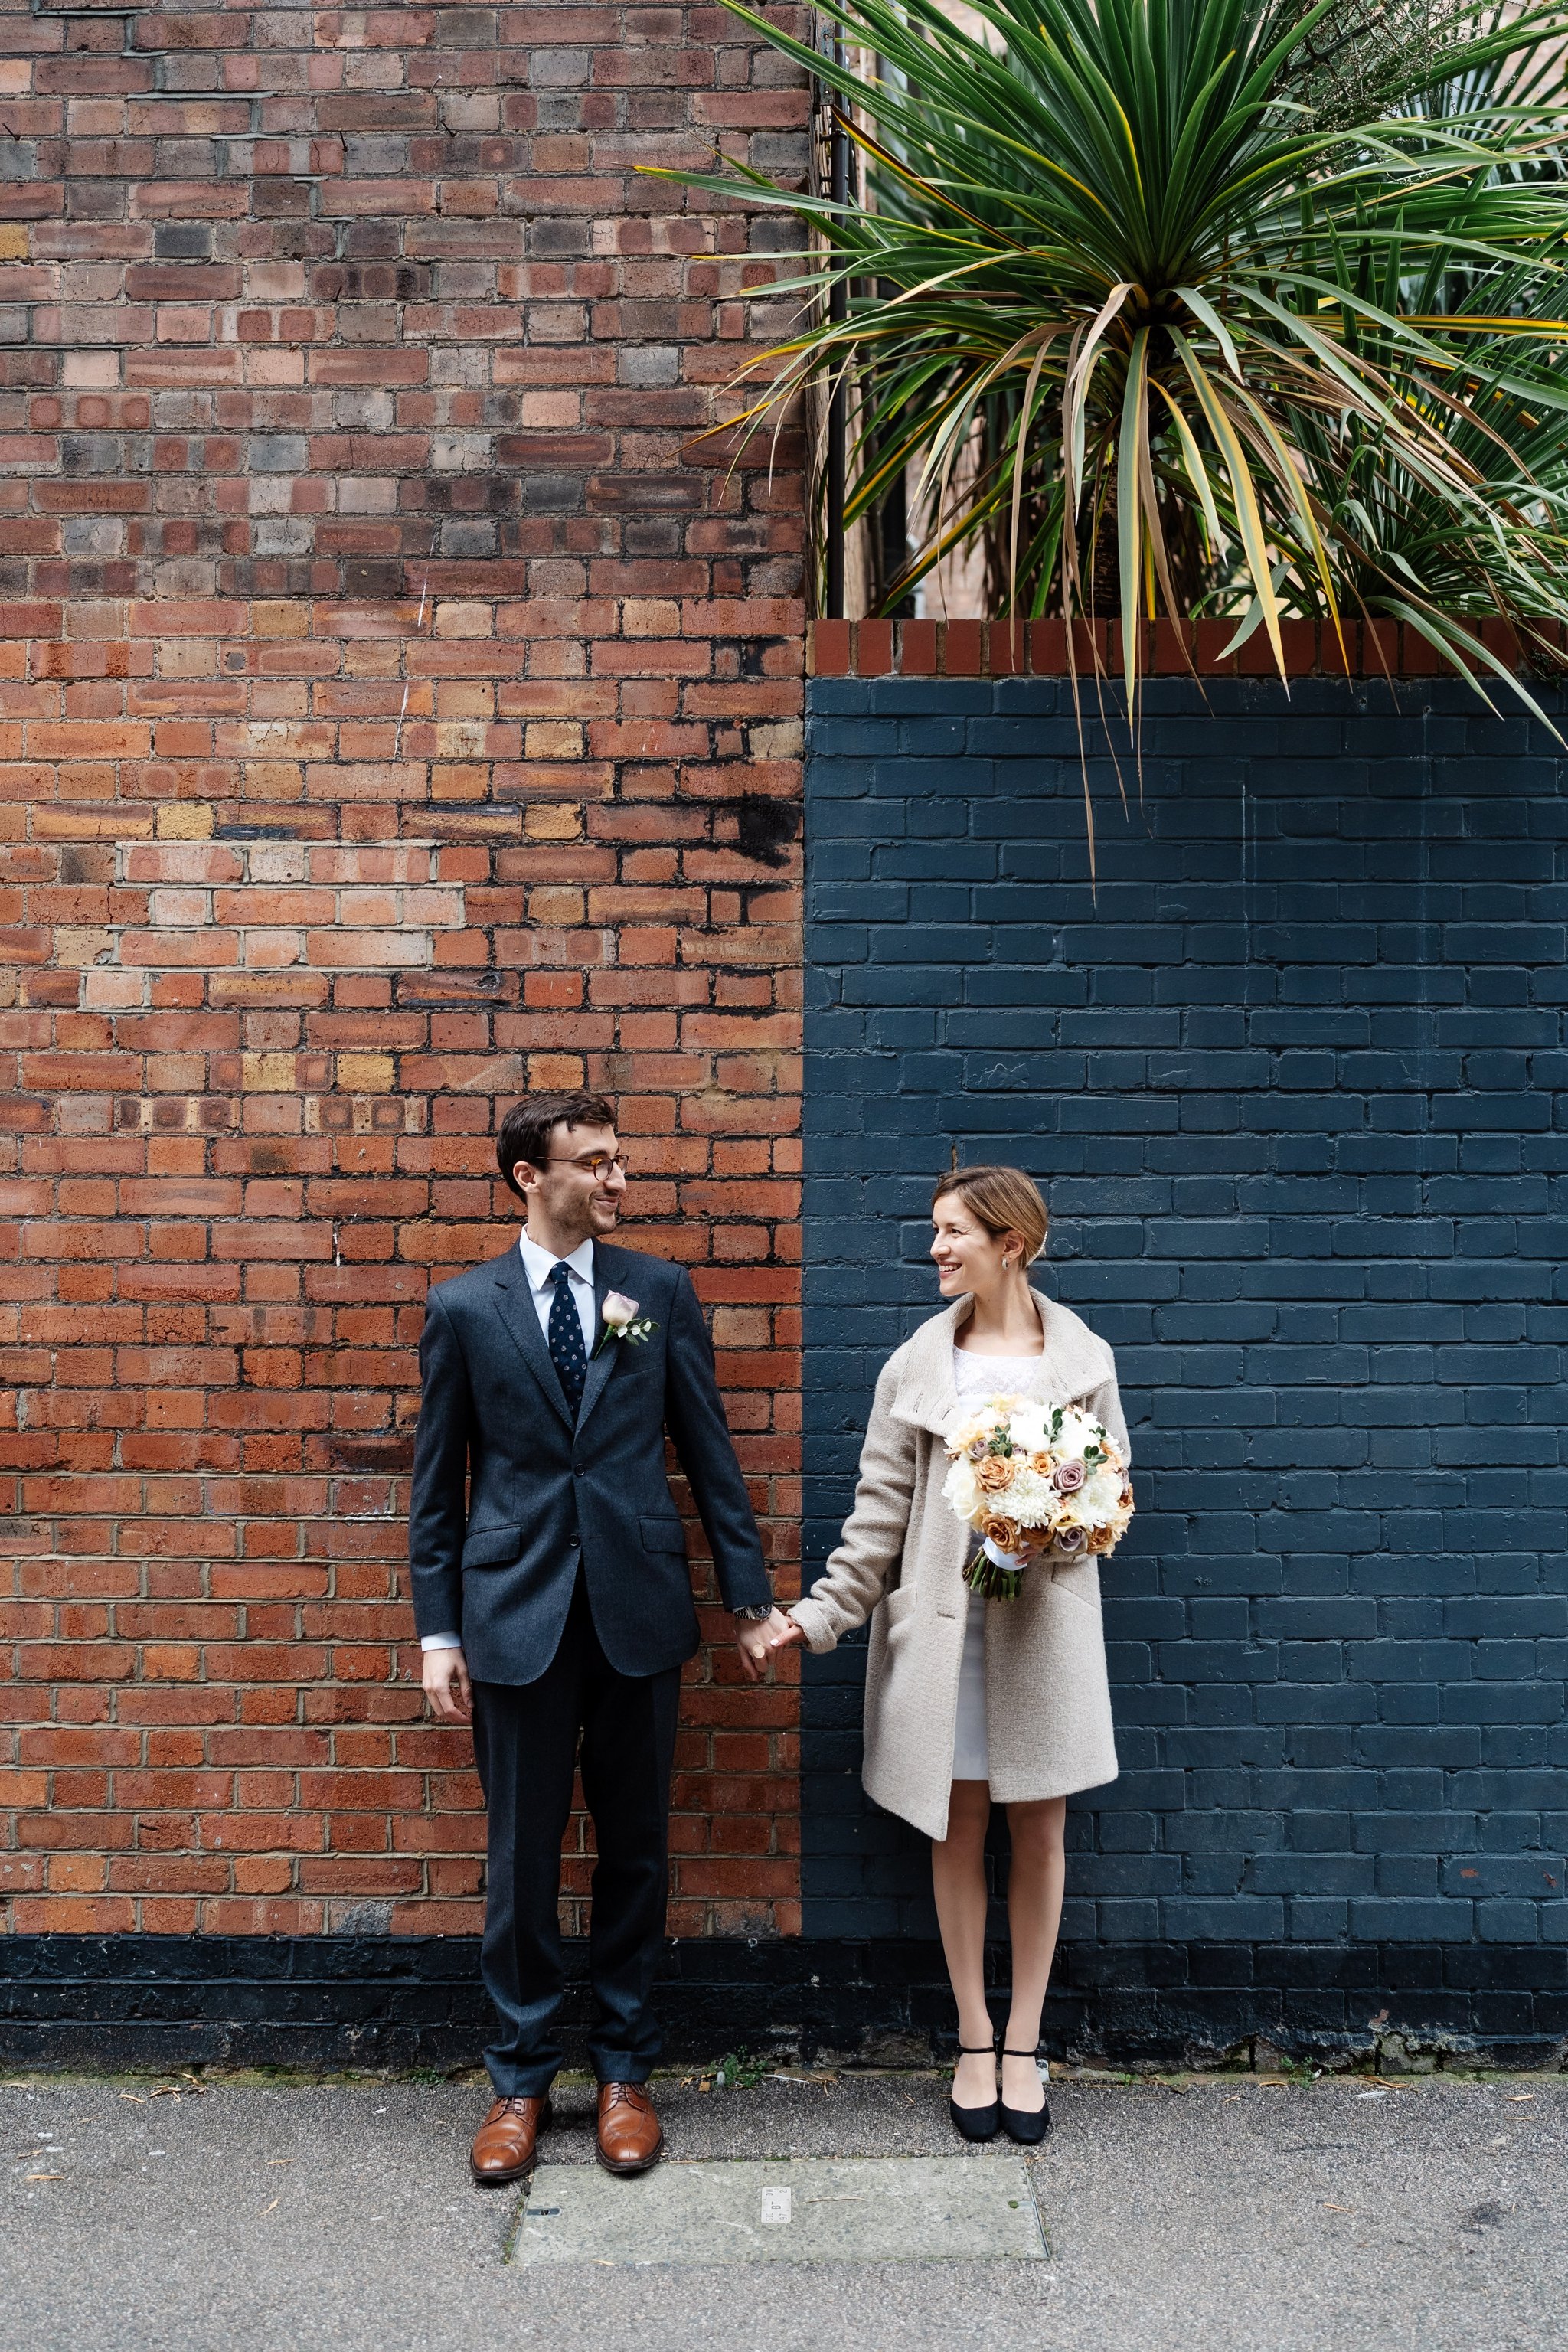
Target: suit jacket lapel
{"type": "Point", "coordinates": [602, 1357]}
{"type": "Point", "coordinates": [515, 1305]}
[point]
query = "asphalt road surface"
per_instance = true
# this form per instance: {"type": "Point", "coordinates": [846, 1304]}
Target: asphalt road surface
{"type": "Point", "coordinates": [1228, 2213]}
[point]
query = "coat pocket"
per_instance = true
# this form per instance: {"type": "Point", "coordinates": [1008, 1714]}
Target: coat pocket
{"type": "Point", "coordinates": [663, 1534]}
{"type": "Point", "coordinates": [898, 1607]}
{"type": "Point", "coordinates": [491, 1546]}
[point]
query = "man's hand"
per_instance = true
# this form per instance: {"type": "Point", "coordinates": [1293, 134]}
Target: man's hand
{"type": "Point", "coordinates": [758, 1642]}
{"type": "Point", "coordinates": [447, 1684]}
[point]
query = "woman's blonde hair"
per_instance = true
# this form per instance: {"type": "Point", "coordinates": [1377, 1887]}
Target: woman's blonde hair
{"type": "Point", "coordinates": [1004, 1199]}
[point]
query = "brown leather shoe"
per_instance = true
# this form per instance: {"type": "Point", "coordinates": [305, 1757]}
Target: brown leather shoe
{"type": "Point", "coordinates": [628, 2138]}
{"type": "Point", "coordinates": [504, 2144]}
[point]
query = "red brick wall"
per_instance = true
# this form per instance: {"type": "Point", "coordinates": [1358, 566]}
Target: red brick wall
{"type": "Point", "coordinates": [396, 711]}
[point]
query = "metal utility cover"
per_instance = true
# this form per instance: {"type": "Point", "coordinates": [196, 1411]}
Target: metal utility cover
{"type": "Point", "coordinates": [910, 2209]}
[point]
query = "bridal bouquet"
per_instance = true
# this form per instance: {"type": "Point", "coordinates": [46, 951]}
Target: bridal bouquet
{"type": "Point", "coordinates": [1029, 1477]}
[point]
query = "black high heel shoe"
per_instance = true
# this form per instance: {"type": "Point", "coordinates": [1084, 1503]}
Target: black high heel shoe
{"type": "Point", "coordinates": [1028, 2130]}
{"type": "Point", "coordinates": [975, 2122]}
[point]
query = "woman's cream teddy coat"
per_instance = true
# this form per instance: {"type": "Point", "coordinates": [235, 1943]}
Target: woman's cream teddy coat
{"type": "Point", "coordinates": [900, 1562]}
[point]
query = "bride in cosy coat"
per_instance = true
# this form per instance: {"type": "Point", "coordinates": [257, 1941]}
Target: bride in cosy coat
{"type": "Point", "coordinates": [967, 1700]}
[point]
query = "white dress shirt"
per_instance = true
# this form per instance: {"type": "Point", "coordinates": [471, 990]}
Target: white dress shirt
{"type": "Point", "coordinates": [538, 1265]}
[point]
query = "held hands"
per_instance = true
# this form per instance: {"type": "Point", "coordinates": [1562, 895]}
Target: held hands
{"type": "Point", "coordinates": [445, 1677]}
{"type": "Point", "coordinates": [760, 1642]}
{"type": "Point", "coordinates": [445, 1673]}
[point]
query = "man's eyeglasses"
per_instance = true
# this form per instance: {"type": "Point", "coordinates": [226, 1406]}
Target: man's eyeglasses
{"type": "Point", "coordinates": [591, 1163]}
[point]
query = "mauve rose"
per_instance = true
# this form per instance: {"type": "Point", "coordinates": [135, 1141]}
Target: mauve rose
{"type": "Point", "coordinates": [1071, 1539]}
{"type": "Point", "coordinates": [619, 1311]}
{"type": "Point", "coordinates": [1068, 1478]}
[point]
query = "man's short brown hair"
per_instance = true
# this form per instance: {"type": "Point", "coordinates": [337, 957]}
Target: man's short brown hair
{"type": "Point", "coordinates": [526, 1130]}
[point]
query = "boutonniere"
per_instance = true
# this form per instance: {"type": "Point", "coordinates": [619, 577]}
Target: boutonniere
{"type": "Point", "coordinates": [621, 1321]}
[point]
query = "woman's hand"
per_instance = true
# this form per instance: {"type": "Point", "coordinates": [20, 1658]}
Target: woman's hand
{"type": "Point", "coordinates": [759, 1641]}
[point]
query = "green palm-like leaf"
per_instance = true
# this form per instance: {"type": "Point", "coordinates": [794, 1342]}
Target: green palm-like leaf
{"type": "Point", "coordinates": [1236, 307]}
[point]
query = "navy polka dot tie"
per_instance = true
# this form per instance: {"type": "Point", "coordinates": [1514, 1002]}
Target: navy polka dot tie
{"type": "Point", "coordinates": [567, 1352]}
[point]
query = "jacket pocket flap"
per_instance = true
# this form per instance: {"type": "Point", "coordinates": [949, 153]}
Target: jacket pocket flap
{"type": "Point", "coordinates": [664, 1533]}
{"type": "Point", "coordinates": [485, 1546]}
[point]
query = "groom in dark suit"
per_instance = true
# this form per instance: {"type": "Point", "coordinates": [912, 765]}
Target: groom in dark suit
{"type": "Point", "coordinates": [554, 1601]}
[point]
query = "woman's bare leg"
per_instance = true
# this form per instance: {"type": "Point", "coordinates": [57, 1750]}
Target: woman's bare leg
{"type": "Point", "coordinates": [1035, 1880]}
{"type": "Point", "coordinates": [958, 1880]}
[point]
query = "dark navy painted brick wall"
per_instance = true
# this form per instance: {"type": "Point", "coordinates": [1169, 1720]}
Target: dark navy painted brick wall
{"type": "Point", "coordinates": [1293, 1087]}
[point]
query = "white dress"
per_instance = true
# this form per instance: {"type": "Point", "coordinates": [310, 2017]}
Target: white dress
{"type": "Point", "coordinates": [979, 1377]}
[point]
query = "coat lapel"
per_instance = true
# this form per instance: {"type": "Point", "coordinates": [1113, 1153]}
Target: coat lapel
{"type": "Point", "coordinates": [604, 1352]}
{"type": "Point", "coordinates": [517, 1311]}
{"type": "Point", "coordinates": [928, 1394]}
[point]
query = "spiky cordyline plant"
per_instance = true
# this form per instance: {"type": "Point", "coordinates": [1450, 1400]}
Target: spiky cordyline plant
{"type": "Point", "coordinates": [1247, 306]}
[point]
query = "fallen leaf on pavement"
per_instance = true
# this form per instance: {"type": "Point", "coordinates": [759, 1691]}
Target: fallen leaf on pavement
{"type": "Point", "coordinates": [46, 2176]}
{"type": "Point", "coordinates": [1519, 2096]}
{"type": "Point", "coordinates": [282, 2159]}
{"type": "Point", "coordinates": [135, 2098]}
{"type": "Point", "coordinates": [273, 2206]}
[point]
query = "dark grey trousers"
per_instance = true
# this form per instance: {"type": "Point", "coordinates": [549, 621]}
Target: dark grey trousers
{"type": "Point", "coordinates": [526, 1743]}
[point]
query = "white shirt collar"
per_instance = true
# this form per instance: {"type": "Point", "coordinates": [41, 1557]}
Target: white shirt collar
{"type": "Point", "coordinates": [539, 1264]}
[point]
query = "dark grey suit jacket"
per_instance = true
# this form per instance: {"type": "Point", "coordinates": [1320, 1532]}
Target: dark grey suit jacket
{"type": "Point", "coordinates": [544, 1495]}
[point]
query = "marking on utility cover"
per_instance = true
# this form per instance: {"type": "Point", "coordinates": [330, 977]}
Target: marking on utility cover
{"type": "Point", "coordinates": [800, 2209]}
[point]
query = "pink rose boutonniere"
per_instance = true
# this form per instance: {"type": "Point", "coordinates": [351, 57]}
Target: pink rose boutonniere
{"type": "Point", "coordinates": [620, 1320]}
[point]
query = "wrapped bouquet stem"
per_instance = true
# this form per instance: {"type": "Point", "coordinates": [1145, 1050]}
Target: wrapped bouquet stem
{"type": "Point", "coordinates": [1036, 1482]}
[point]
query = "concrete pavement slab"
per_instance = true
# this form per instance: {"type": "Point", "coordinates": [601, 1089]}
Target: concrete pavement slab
{"type": "Point", "coordinates": [887, 2209]}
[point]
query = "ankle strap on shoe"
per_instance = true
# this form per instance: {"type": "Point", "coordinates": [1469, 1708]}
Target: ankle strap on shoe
{"type": "Point", "coordinates": [1021, 2053]}
{"type": "Point", "coordinates": [977, 2050]}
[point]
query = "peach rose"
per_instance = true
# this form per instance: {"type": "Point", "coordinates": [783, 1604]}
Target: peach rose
{"type": "Point", "coordinates": [1006, 1534]}
{"type": "Point", "coordinates": [1102, 1538]}
{"type": "Point", "coordinates": [994, 1474]}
